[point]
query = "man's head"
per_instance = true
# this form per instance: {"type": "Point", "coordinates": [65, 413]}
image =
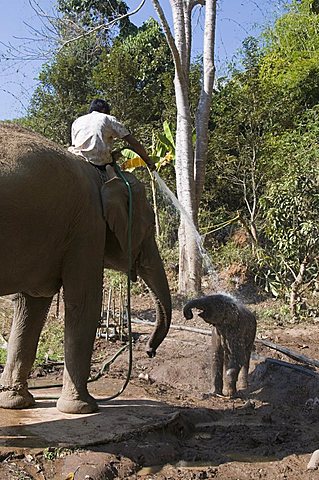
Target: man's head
{"type": "Point", "coordinates": [99, 105]}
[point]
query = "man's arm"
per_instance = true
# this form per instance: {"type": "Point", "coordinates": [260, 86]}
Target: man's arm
{"type": "Point", "coordinates": [138, 148]}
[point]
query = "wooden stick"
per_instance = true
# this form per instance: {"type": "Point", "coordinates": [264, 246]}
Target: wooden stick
{"type": "Point", "coordinates": [57, 312]}
{"type": "Point", "coordinates": [177, 327]}
{"type": "Point", "coordinates": [299, 368]}
{"type": "Point", "coordinates": [289, 353]}
{"type": "Point", "coordinates": [108, 313]}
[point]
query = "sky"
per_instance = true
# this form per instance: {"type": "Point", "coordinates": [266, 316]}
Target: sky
{"type": "Point", "coordinates": [236, 19]}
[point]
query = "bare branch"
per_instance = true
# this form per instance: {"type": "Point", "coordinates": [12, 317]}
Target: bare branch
{"type": "Point", "coordinates": [18, 99]}
{"type": "Point", "coordinates": [168, 35]}
{"type": "Point", "coordinates": [48, 38]}
{"type": "Point", "coordinates": [102, 26]}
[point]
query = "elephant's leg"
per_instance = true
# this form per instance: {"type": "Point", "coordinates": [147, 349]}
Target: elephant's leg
{"type": "Point", "coordinates": [28, 320]}
{"type": "Point", "coordinates": [243, 374]}
{"type": "Point", "coordinates": [83, 299]}
{"type": "Point", "coordinates": [81, 321]}
{"type": "Point", "coordinates": [217, 363]}
{"type": "Point", "coordinates": [232, 367]}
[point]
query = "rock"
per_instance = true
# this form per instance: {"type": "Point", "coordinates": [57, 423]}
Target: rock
{"type": "Point", "coordinates": [96, 466]}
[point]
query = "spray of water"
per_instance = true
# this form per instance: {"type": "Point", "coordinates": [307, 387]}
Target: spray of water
{"type": "Point", "coordinates": [169, 195]}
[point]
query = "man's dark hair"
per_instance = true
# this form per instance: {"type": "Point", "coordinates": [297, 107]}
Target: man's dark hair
{"type": "Point", "coordinates": [99, 105]}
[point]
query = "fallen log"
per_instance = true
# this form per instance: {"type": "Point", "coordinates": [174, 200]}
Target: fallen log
{"type": "Point", "coordinates": [202, 331]}
{"type": "Point", "coordinates": [299, 368]}
{"type": "Point", "coordinates": [290, 353]}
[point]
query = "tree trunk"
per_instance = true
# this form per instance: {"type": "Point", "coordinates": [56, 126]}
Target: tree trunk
{"type": "Point", "coordinates": [189, 184]}
{"type": "Point", "coordinates": [203, 109]}
{"type": "Point", "coordinates": [189, 277]}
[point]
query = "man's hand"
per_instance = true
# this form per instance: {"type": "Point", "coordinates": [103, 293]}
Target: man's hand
{"type": "Point", "coordinates": [151, 166]}
{"type": "Point", "coordinates": [138, 148]}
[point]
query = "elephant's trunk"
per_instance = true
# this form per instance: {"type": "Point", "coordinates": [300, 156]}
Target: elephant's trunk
{"type": "Point", "coordinates": [187, 310]}
{"type": "Point", "coordinates": [150, 269]}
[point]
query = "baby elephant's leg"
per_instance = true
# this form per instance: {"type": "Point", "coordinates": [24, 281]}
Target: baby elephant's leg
{"type": "Point", "coordinates": [231, 374]}
{"type": "Point", "coordinates": [217, 363]}
{"type": "Point", "coordinates": [243, 374]}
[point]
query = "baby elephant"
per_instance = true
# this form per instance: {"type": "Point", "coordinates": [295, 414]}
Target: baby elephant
{"type": "Point", "coordinates": [233, 335]}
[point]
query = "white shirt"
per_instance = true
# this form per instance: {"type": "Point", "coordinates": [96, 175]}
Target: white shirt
{"type": "Point", "coordinates": [93, 135]}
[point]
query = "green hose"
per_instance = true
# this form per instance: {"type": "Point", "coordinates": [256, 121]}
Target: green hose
{"type": "Point", "coordinates": [129, 266]}
{"type": "Point", "coordinates": [128, 308]}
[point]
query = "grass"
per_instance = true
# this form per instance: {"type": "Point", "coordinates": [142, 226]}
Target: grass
{"type": "Point", "coordinates": [52, 453]}
{"type": "Point", "coordinates": [3, 356]}
{"type": "Point", "coordinates": [51, 342]}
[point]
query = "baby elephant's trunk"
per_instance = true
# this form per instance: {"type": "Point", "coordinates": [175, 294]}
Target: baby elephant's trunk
{"type": "Point", "coordinates": [187, 311]}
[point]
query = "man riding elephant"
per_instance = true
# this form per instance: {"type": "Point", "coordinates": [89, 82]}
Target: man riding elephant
{"type": "Point", "coordinates": [93, 135]}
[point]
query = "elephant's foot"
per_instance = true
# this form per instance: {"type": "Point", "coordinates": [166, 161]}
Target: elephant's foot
{"type": "Point", "coordinates": [15, 397]}
{"type": "Point", "coordinates": [230, 382]}
{"type": "Point", "coordinates": [67, 404]}
{"type": "Point", "coordinates": [230, 392]}
{"type": "Point", "coordinates": [242, 385]}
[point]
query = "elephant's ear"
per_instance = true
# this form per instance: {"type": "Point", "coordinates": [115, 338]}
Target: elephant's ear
{"type": "Point", "coordinates": [231, 315]}
{"type": "Point", "coordinates": [143, 215]}
{"type": "Point", "coordinates": [115, 209]}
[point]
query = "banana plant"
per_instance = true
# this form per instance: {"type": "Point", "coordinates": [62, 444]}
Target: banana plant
{"type": "Point", "coordinates": [164, 147]}
{"type": "Point", "coordinates": [162, 153]}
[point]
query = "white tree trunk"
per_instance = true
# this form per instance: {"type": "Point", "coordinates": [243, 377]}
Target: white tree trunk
{"type": "Point", "coordinates": [188, 191]}
{"type": "Point", "coordinates": [203, 109]}
{"type": "Point", "coordinates": [189, 277]}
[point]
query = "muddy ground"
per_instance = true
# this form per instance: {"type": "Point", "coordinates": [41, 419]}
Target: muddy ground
{"type": "Point", "coordinates": [269, 432]}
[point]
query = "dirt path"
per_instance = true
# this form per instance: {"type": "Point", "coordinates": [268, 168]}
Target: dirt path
{"type": "Point", "coordinates": [164, 427]}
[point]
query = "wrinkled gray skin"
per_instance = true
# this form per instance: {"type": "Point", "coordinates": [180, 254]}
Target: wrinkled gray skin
{"type": "Point", "coordinates": [233, 335]}
{"type": "Point", "coordinates": [53, 233]}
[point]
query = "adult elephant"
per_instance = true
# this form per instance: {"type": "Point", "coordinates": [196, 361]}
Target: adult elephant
{"type": "Point", "coordinates": [53, 233]}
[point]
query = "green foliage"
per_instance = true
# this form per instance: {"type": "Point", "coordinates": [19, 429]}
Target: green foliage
{"type": "Point", "coordinates": [232, 253]}
{"type": "Point", "coordinates": [275, 313]}
{"type": "Point", "coordinates": [90, 13]}
{"type": "Point", "coordinates": [163, 147]}
{"type": "Point", "coordinates": [291, 209]}
{"type": "Point", "coordinates": [291, 60]}
{"type": "Point", "coordinates": [65, 89]}
{"type": "Point", "coordinates": [264, 153]}
{"type": "Point", "coordinates": [168, 240]}
{"type": "Point", "coordinates": [113, 279]}
{"type": "Point", "coordinates": [137, 76]}
{"type": "Point", "coordinates": [52, 453]}
{"type": "Point", "coordinates": [93, 10]}
{"type": "Point", "coordinates": [3, 356]}
{"type": "Point", "coordinates": [242, 114]}
{"type": "Point", "coordinates": [51, 342]}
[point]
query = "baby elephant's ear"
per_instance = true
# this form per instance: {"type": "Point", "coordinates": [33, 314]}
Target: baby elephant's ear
{"type": "Point", "coordinates": [231, 314]}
